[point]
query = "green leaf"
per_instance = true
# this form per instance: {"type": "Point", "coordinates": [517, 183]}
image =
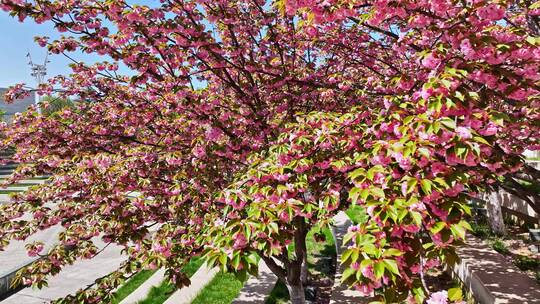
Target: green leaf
{"type": "Point", "coordinates": [345, 256]}
{"type": "Point", "coordinates": [377, 192]}
{"type": "Point", "coordinates": [392, 252]}
{"type": "Point", "coordinates": [348, 237]}
{"type": "Point", "coordinates": [365, 263]}
{"type": "Point", "coordinates": [392, 266]}
{"type": "Point", "coordinates": [354, 256]}
{"type": "Point", "coordinates": [370, 249]}
{"type": "Point", "coordinates": [465, 225]}
{"type": "Point", "coordinates": [449, 123]}
{"type": "Point", "coordinates": [424, 152]}
{"type": "Point", "coordinates": [458, 231]}
{"type": "Point", "coordinates": [357, 173]}
{"type": "Point", "coordinates": [481, 140]}
{"type": "Point", "coordinates": [455, 294]}
{"type": "Point", "coordinates": [417, 217]}
{"type": "Point", "coordinates": [347, 273]}
{"type": "Point", "coordinates": [236, 261]}
{"type": "Point", "coordinates": [353, 194]}
{"type": "Point", "coordinates": [241, 275]}
{"type": "Point", "coordinates": [459, 96]}
{"type": "Point", "coordinates": [223, 259]}
{"type": "Point", "coordinates": [531, 40]}
{"type": "Point", "coordinates": [437, 227]}
{"type": "Point", "coordinates": [251, 259]}
{"type": "Point", "coordinates": [411, 185]}
{"type": "Point", "coordinates": [426, 186]}
{"type": "Point", "coordinates": [379, 269]}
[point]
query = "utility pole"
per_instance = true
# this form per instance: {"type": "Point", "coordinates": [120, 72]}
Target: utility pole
{"type": "Point", "coordinates": [38, 71]}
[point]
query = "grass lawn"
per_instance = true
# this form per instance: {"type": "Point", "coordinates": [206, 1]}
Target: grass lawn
{"type": "Point", "coordinates": [159, 294]}
{"type": "Point", "coordinates": [132, 284]}
{"type": "Point", "coordinates": [223, 289]}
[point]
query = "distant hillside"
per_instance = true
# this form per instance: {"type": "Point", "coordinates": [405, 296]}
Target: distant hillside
{"type": "Point", "coordinates": [15, 107]}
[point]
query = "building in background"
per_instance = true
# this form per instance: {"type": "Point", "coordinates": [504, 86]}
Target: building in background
{"type": "Point", "coordinates": [18, 106]}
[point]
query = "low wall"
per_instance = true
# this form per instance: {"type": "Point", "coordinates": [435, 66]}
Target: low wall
{"type": "Point", "coordinates": [491, 278]}
{"type": "Point", "coordinates": [515, 206]}
{"type": "Point", "coordinates": [6, 279]}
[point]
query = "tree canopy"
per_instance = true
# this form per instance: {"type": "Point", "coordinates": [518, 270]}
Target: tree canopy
{"type": "Point", "coordinates": [243, 124]}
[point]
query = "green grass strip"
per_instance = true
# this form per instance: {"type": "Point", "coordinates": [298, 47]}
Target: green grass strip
{"type": "Point", "coordinates": [24, 185]}
{"type": "Point", "coordinates": [29, 178]}
{"type": "Point", "coordinates": [223, 289]}
{"type": "Point", "coordinates": [10, 191]}
{"type": "Point", "coordinates": [131, 285]}
{"type": "Point", "coordinates": [159, 294]}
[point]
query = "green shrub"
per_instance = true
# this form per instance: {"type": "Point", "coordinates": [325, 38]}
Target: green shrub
{"type": "Point", "coordinates": [537, 276]}
{"type": "Point", "coordinates": [526, 263]}
{"type": "Point", "coordinates": [510, 221]}
{"type": "Point", "coordinates": [500, 247]}
{"type": "Point", "coordinates": [481, 229]}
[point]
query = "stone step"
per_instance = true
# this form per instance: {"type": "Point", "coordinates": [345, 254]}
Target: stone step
{"type": "Point", "coordinates": [72, 278]}
{"type": "Point", "coordinates": [15, 257]}
{"type": "Point", "coordinates": [30, 181]}
{"type": "Point", "coordinates": [11, 166]}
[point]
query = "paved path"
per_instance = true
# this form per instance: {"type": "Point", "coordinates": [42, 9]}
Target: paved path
{"type": "Point", "coordinates": [341, 294]}
{"type": "Point", "coordinates": [142, 291]}
{"type": "Point", "coordinates": [257, 289]}
{"type": "Point", "coordinates": [71, 278]}
{"type": "Point", "coordinates": [493, 278]}
{"type": "Point", "coordinates": [15, 255]}
{"type": "Point", "coordinates": [199, 280]}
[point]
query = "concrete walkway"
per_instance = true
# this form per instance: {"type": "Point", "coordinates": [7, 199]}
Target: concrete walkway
{"type": "Point", "coordinates": [15, 255]}
{"type": "Point", "coordinates": [71, 278]}
{"type": "Point", "coordinates": [142, 291]}
{"type": "Point", "coordinates": [341, 294]}
{"type": "Point", "coordinates": [491, 277]}
{"type": "Point", "coordinates": [257, 289]}
{"type": "Point", "coordinates": [199, 280]}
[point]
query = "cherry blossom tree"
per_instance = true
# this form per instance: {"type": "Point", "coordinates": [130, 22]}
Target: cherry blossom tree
{"type": "Point", "coordinates": [244, 124]}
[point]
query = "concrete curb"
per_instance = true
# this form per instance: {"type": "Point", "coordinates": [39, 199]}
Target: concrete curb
{"type": "Point", "coordinates": [199, 280]}
{"type": "Point", "coordinates": [142, 291]}
{"type": "Point", "coordinates": [6, 279]}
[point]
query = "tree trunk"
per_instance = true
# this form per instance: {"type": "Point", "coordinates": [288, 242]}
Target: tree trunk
{"type": "Point", "coordinates": [301, 248]}
{"type": "Point", "coordinates": [304, 269]}
{"type": "Point", "coordinates": [494, 212]}
{"type": "Point", "coordinates": [296, 293]}
{"type": "Point", "coordinates": [297, 270]}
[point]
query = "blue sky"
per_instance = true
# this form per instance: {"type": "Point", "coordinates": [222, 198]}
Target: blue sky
{"type": "Point", "coordinates": [16, 40]}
